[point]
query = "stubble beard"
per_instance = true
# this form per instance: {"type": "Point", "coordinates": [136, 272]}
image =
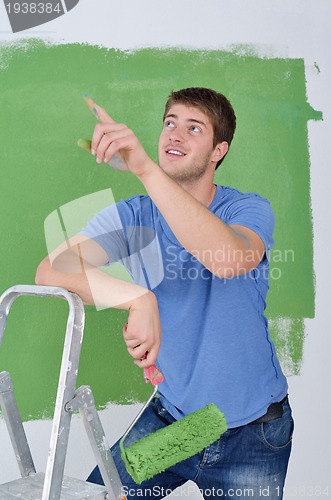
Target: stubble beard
{"type": "Point", "coordinates": [190, 175]}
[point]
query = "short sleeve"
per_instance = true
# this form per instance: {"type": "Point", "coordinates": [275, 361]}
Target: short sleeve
{"type": "Point", "coordinates": [253, 211]}
{"type": "Point", "coordinates": [107, 230]}
{"type": "Point", "coordinates": [129, 239]}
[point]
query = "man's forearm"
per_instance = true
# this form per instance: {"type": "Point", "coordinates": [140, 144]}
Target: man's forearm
{"type": "Point", "coordinates": [94, 286]}
{"type": "Point", "coordinates": [143, 330]}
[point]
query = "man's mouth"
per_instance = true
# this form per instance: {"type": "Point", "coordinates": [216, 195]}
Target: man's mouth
{"type": "Point", "coordinates": [175, 152]}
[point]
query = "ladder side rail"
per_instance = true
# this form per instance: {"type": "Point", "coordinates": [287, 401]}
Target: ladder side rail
{"type": "Point", "coordinates": [84, 402]}
{"type": "Point", "coordinates": [15, 427]}
{"type": "Point", "coordinates": [66, 390]}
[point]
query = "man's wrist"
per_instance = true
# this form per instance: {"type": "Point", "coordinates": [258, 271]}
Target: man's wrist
{"type": "Point", "coordinates": [149, 169]}
{"type": "Point", "coordinates": [143, 300]}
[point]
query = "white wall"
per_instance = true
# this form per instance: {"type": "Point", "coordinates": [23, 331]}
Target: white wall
{"type": "Point", "coordinates": [288, 28]}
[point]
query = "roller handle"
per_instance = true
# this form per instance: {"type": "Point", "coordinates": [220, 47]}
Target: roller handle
{"type": "Point", "coordinates": [153, 374]}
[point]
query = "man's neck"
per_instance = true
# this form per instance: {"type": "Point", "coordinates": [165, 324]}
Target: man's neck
{"type": "Point", "coordinates": [203, 190]}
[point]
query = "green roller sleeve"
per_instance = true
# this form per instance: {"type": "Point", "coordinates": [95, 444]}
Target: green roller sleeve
{"type": "Point", "coordinates": [167, 446]}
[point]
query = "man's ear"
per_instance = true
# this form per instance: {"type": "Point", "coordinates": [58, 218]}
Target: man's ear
{"type": "Point", "coordinates": [220, 151]}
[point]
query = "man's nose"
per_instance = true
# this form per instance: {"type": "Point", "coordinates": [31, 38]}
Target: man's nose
{"type": "Point", "coordinates": [176, 135]}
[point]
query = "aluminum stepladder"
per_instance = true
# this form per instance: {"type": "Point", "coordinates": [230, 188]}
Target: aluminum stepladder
{"type": "Point", "coordinates": [53, 484]}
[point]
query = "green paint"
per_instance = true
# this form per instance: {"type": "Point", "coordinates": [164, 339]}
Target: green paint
{"type": "Point", "coordinates": [43, 115]}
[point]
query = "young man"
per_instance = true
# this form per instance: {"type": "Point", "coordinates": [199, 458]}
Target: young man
{"type": "Point", "coordinates": [212, 243]}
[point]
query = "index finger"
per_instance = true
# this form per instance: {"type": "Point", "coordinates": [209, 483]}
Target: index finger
{"type": "Point", "coordinates": [98, 111]}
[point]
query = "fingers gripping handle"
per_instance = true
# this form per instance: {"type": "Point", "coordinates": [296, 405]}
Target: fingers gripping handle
{"type": "Point", "coordinates": [116, 162]}
{"type": "Point", "coordinates": [151, 373]}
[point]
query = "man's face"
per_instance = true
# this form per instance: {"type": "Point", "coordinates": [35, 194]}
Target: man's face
{"type": "Point", "coordinates": [186, 144]}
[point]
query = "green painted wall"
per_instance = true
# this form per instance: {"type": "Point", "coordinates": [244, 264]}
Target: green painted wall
{"type": "Point", "coordinates": [42, 116]}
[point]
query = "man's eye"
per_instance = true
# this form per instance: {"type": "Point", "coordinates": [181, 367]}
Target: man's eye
{"type": "Point", "coordinates": [168, 124]}
{"type": "Point", "coordinates": [194, 128]}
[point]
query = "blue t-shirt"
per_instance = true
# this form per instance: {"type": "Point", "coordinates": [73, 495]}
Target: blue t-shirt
{"type": "Point", "coordinates": [216, 346]}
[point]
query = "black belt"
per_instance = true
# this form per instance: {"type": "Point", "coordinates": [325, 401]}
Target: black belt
{"type": "Point", "coordinates": [275, 410]}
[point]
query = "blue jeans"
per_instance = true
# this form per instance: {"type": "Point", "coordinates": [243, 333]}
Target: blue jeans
{"type": "Point", "coordinates": [245, 462]}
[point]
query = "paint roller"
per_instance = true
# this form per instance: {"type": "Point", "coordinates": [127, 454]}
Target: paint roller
{"type": "Point", "coordinates": [178, 441]}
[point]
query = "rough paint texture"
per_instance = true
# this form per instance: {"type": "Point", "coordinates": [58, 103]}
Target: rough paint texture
{"type": "Point", "coordinates": [43, 115]}
{"type": "Point", "coordinates": [168, 446]}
